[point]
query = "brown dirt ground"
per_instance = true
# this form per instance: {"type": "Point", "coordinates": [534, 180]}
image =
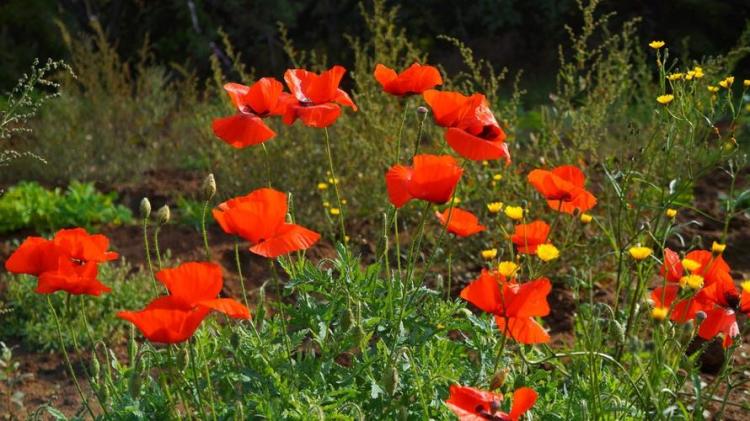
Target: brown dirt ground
{"type": "Point", "coordinates": [49, 382]}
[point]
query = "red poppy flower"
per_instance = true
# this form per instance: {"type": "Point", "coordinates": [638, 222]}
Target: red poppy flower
{"type": "Point", "coordinates": [460, 222]}
{"type": "Point", "coordinates": [563, 187]}
{"type": "Point", "coordinates": [471, 404]}
{"type": "Point", "coordinates": [514, 305]}
{"type": "Point", "coordinates": [431, 177]}
{"type": "Point", "coordinates": [712, 268]}
{"type": "Point", "coordinates": [471, 128]}
{"type": "Point", "coordinates": [193, 289]}
{"type": "Point", "coordinates": [68, 262]}
{"type": "Point", "coordinates": [671, 269]}
{"type": "Point", "coordinates": [316, 98]}
{"type": "Point", "coordinates": [527, 237]}
{"type": "Point", "coordinates": [260, 217]}
{"type": "Point", "coordinates": [414, 80]}
{"type": "Point", "coordinates": [721, 315]}
{"type": "Point", "coordinates": [264, 98]}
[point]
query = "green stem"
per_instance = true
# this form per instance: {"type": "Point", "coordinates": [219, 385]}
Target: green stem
{"type": "Point", "coordinates": [67, 358]}
{"type": "Point", "coordinates": [239, 271]}
{"type": "Point", "coordinates": [146, 243]}
{"type": "Point", "coordinates": [419, 135]}
{"type": "Point", "coordinates": [156, 246]}
{"type": "Point", "coordinates": [335, 185]}
{"type": "Point", "coordinates": [268, 163]}
{"type": "Point", "coordinates": [400, 132]}
{"type": "Point", "coordinates": [204, 231]}
{"type": "Point", "coordinates": [195, 379]}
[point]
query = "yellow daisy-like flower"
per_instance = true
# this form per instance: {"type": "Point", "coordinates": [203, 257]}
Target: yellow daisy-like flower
{"type": "Point", "coordinates": [489, 254]}
{"type": "Point", "coordinates": [547, 252]}
{"type": "Point", "coordinates": [664, 99]}
{"type": "Point", "coordinates": [675, 76]}
{"type": "Point", "coordinates": [640, 252]}
{"type": "Point", "coordinates": [507, 269]}
{"type": "Point", "coordinates": [333, 180]}
{"type": "Point", "coordinates": [698, 72]}
{"type": "Point", "coordinates": [326, 204]}
{"type": "Point", "coordinates": [727, 82]}
{"type": "Point", "coordinates": [690, 75]}
{"type": "Point", "coordinates": [713, 89]}
{"type": "Point", "coordinates": [690, 265]}
{"type": "Point", "coordinates": [656, 44]}
{"type": "Point", "coordinates": [586, 218]}
{"type": "Point", "coordinates": [745, 286]}
{"type": "Point", "coordinates": [514, 212]}
{"type": "Point", "coordinates": [485, 163]}
{"type": "Point", "coordinates": [659, 313]}
{"type": "Point", "coordinates": [692, 281]}
{"type": "Point", "coordinates": [494, 207]}
{"type": "Point", "coordinates": [497, 177]}
{"type": "Point", "coordinates": [322, 186]}
{"type": "Point", "coordinates": [746, 83]}
{"type": "Point", "coordinates": [670, 213]}
{"type": "Point", "coordinates": [335, 211]}
{"type": "Point", "coordinates": [718, 248]}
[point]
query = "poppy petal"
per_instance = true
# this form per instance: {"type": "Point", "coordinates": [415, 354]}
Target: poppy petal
{"type": "Point", "coordinates": [242, 130]}
{"type": "Point", "coordinates": [318, 116]}
{"type": "Point", "coordinates": [71, 278]}
{"type": "Point", "coordinates": [228, 306]}
{"type": "Point", "coordinates": [523, 399]}
{"type": "Point", "coordinates": [475, 148]}
{"type": "Point", "coordinates": [397, 181]}
{"type": "Point", "coordinates": [524, 330]}
{"type": "Point", "coordinates": [289, 238]}
{"type": "Point", "coordinates": [484, 292]}
{"type": "Point", "coordinates": [467, 402]}
{"type": "Point", "coordinates": [192, 281]}
{"type": "Point", "coordinates": [81, 245]}
{"type": "Point", "coordinates": [385, 75]}
{"type": "Point", "coordinates": [460, 222]}
{"type": "Point", "coordinates": [166, 320]}
{"type": "Point", "coordinates": [527, 237]}
{"type": "Point", "coordinates": [34, 256]}
{"type": "Point", "coordinates": [719, 320]}
{"type": "Point", "coordinates": [237, 94]}
{"type": "Point", "coordinates": [446, 106]}
{"type": "Point", "coordinates": [263, 96]}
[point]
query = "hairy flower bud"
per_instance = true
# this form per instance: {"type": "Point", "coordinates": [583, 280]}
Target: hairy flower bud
{"type": "Point", "coordinates": [145, 208]}
{"type": "Point", "coordinates": [209, 187]}
{"type": "Point", "coordinates": [390, 380]}
{"type": "Point", "coordinates": [422, 110]}
{"type": "Point", "coordinates": [163, 215]}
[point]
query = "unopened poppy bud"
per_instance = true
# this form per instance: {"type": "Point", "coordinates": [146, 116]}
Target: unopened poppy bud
{"type": "Point", "coordinates": [145, 208]}
{"type": "Point", "coordinates": [495, 406]}
{"type": "Point", "coordinates": [95, 367]}
{"type": "Point", "coordinates": [439, 282]}
{"type": "Point", "coordinates": [209, 187]}
{"type": "Point", "coordinates": [390, 380]}
{"type": "Point", "coordinates": [132, 346]}
{"type": "Point", "coordinates": [422, 110]}
{"type": "Point", "coordinates": [183, 359]}
{"type": "Point", "coordinates": [498, 379]}
{"type": "Point", "coordinates": [700, 316]}
{"type": "Point", "coordinates": [163, 215]}
{"type": "Point", "coordinates": [135, 382]}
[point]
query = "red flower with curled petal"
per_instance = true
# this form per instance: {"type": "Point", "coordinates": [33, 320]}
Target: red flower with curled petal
{"type": "Point", "coordinates": [193, 293]}
{"type": "Point", "coordinates": [564, 188]}
{"type": "Point", "coordinates": [527, 237]}
{"type": "Point", "coordinates": [471, 128]}
{"type": "Point", "coordinates": [431, 177]}
{"type": "Point", "coordinates": [471, 404]}
{"type": "Point", "coordinates": [316, 97]}
{"type": "Point", "coordinates": [459, 222]}
{"type": "Point", "coordinates": [68, 262]}
{"type": "Point", "coordinates": [513, 305]}
{"type": "Point", "coordinates": [414, 80]}
{"type": "Point", "coordinates": [260, 217]}
{"type": "Point", "coordinates": [254, 103]}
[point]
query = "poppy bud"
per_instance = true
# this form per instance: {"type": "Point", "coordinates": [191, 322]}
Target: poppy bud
{"type": "Point", "coordinates": [183, 358]}
{"type": "Point", "coordinates": [145, 208]}
{"type": "Point", "coordinates": [95, 367]}
{"type": "Point", "coordinates": [260, 308]}
{"type": "Point", "coordinates": [163, 215]}
{"type": "Point", "coordinates": [349, 319]}
{"type": "Point", "coordinates": [132, 346]}
{"type": "Point", "coordinates": [422, 110]}
{"type": "Point", "coordinates": [439, 282]}
{"type": "Point", "coordinates": [700, 316]}
{"type": "Point", "coordinates": [135, 382]}
{"type": "Point", "coordinates": [209, 187]}
{"type": "Point", "coordinates": [390, 380]}
{"type": "Point", "coordinates": [498, 379]}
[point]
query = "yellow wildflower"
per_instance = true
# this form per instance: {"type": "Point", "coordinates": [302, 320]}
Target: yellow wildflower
{"type": "Point", "coordinates": [497, 177]}
{"type": "Point", "coordinates": [690, 75]}
{"type": "Point", "coordinates": [745, 286]}
{"type": "Point", "coordinates": [640, 252]}
{"type": "Point", "coordinates": [514, 212]}
{"type": "Point", "coordinates": [698, 72]}
{"type": "Point", "coordinates": [489, 254]}
{"type": "Point", "coordinates": [746, 83]}
{"type": "Point", "coordinates": [727, 82]}
{"type": "Point", "coordinates": [547, 252]}
{"type": "Point", "coordinates": [507, 269]}
{"type": "Point", "coordinates": [335, 211]}
{"type": "Point", "coordinates": [692, 281]}
{"type": "Point", "coordinates": [713, 89]}
{"type": "Point", "coordinates": [659, 313]}
{"type": "Point", "coordinates": [664, 99]}
{"type": "Point", "coordinates": [670, 213]}
{"type": "Point", "coordinates": [675, 76]}
{"type": "Point", "coordinates": [691, 265]}
{"type": "Point", "coordinates": [495, 207]}
{"type": "Point", "coordinates": [326, 204]}
{"type": "Point", "coordinates": [322, 186]}
{"type": "Point", "coordinates": [718, 248]}
{"type": "Point", "coordinates": [333, 180]}
{"type": "Point", "coordinates": [586, 218]}
{"type": "Point", "coordinates": [656, 44]}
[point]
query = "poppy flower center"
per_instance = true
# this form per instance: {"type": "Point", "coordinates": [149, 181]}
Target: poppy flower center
{"type": "Point", "coordinates": [733, 301]}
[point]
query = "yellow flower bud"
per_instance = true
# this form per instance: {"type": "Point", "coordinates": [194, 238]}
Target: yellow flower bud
{"type": "Point", "coordinates": [664, 99]}
{"type": "Point", "coordinates": [640, 252]}
{"type": "Point", "coordinates": [489, 254]}
{"type": "Point", "coordinates": [586, 218]}
{"type": "Point", "coordinates": [322, 186]}
{"type": "Point", "coordinates": [656, 44]}
{"type": "Point", "coordinates": [335, 211]}
{"type": "Point", "coordinates": [495, 207]}
{"type": "Point", "coordinates": [718, 248]}
{"type": "Point", "coordinates": [670, 213]}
